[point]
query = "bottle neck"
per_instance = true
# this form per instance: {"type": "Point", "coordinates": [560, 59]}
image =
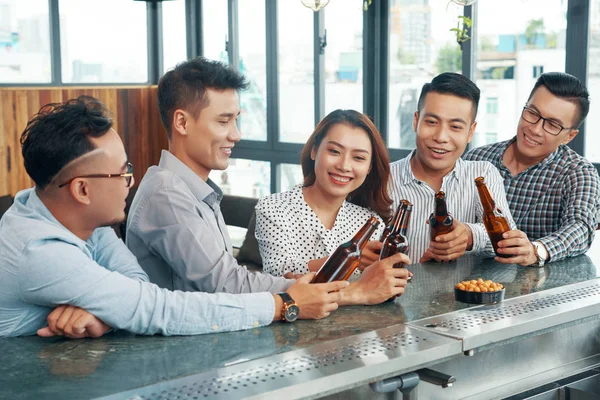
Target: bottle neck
{"type": "Point", "coordinates": [405, 221]}
{"type": "Point", "coordinates": [486, 198]}
{"type": "Point", "coordinates": [398, 221]}
{"type": "Point", "coordinates": [362, 236]}
{"type": "Point", "coordinates": [441, 209]}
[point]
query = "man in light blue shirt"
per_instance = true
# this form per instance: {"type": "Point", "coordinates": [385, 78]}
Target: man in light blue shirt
{"type": "Point", "coordinates": [175, 226]}
{"type": "Point", "coordinates": [57, 251]}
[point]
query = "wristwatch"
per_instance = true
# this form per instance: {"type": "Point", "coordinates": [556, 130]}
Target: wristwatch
{"type": "Point", "coordinates": [540, 253]}
{"type": "Point", "coordinates": [290, 310]}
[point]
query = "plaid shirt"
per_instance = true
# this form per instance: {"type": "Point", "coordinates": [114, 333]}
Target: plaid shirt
{"type": "Point", "coordinates": [555, 202]}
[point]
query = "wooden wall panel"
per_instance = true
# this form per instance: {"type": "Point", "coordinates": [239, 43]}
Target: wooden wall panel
{"type": "Point", "coordinates": [136, 120]}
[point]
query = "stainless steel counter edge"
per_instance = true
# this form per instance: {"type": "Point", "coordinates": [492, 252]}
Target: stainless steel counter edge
{"type": "Point", "coordinates": [483, 325]}
{"type": "Point", "coordinates": [315, 371]}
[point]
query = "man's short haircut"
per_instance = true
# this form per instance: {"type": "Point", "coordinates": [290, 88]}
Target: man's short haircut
{"type": "Point", "coordinates": [567, 87]}
{"type": "Point", "coordinates": [60, 133]}
{"type": "Point", "coordinates": [184, 87]}
{"type": "Point", "coordinates": [453, 84]}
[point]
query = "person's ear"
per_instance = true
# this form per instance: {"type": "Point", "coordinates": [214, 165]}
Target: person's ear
{"type": "Point", "coordinates": [80, 191]}
{"type": "Point", "coordinates": [313, 153]}
{"type": "Point", "coordinates": [180, 122]}
{"type": "Point", "coordinates": [415, 121]}
{"type": "Point", "coordinates": [472, 131]}
{"type": "Point", "coordinates": [570, 136]}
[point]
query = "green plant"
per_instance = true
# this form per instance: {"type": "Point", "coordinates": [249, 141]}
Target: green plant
{"type": "Point", "coordinates": [462, 29]}
{"type": "Point", "coordinates": [366, 4]}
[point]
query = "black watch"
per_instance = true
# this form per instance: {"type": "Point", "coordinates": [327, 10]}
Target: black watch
{"type": "Point", "coordinates": [290, 311]}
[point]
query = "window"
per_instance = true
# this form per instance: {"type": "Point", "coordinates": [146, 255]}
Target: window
{"type": "Point", "coordinates": [296, 72]}
{"type": "Point", "coordinates": [491, 105]}
{"type": "Point", "coordinates": [110, 47]}
{"type": "Point", "coordinates": [343, 56]}
{"type": "Point", "coordinates": [508, 53]}
{"type": "Point", "coordinates": [24, 42]}
{"type": "Point", "coordinates": [215, 29]}
{"type": "Point", "coordinates": [246, 178]}
{"type": "Point", "coordinates": [253, 64]}
{"type": "Point", "coordinates": [174, 37]}
{"type": "Point", "coordinates": [290, 175]}
{"type": "Point", "coordinates": [420, 47]}
{"type": "Point", "coordinates": [592, 122]}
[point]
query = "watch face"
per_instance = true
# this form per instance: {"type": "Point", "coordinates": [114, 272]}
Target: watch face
{"type": "Point", "coordinates": [292, 312]}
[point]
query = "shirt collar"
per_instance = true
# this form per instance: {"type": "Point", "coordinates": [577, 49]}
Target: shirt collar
{"type": "Point", "coordinates": [30, 198]}
{"type": "Point", "coordinates": [546, 161]}
{"type": "Point", "coordinates": [407, 176]}
{"type": "Point", "coordinates": [207, 192]}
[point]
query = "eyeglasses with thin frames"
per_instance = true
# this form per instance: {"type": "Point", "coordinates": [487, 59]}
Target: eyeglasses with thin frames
{"type": "Point", "coordinates": [127, 175]}
{"type": "Point", "coordinates": [548, 125]}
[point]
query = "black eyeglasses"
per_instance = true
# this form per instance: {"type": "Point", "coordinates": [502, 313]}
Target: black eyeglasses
{"type": "Point", "coordinates": [127, 175]}
{"type": "Point", "coordinates": [549, 126]}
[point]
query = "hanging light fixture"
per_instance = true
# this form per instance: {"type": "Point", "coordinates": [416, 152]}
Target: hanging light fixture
{"type": "Point", "coordinates": [464, 2]}
{"type": "Point", "coordinates": [315, 5]}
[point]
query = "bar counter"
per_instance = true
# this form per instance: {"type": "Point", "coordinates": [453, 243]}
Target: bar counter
{"type": "Point", "coordinates": [546, 329]}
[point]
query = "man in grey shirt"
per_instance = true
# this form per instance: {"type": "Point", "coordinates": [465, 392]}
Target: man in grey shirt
{"type": "Point", "coordinates": [175, 226]}
{"type": "Point", "coordinates": [61, 262]}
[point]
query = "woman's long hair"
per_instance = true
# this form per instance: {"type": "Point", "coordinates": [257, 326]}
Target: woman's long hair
{"type": "Point", "coordinates": [373, 193]}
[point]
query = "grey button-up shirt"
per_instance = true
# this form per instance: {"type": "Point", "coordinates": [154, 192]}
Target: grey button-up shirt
{"type": "Point", "coordinates": [176, 230]}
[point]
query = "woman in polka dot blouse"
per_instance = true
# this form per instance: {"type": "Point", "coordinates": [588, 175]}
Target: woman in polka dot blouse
{"type": "Point", "coordinates": [346, 168]}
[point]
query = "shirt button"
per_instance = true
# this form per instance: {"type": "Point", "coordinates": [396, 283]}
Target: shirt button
{"type": "Point", "coordinates": [215, 327]}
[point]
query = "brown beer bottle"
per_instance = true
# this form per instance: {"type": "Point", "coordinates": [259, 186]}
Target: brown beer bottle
{"type": "Point", "coordinates": [388, 229]}
{"type": "Point", "coordinates": [397, 242]}
{"type": "Point", "coordinates": [344, 260]}
{"type": "Point", "coordinates": [493, 219]}
{"type": "Point", "coordinates": [440, 221]}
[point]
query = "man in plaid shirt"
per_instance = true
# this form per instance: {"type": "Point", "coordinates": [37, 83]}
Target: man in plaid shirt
{"type": "Point", "coordinates": [553, 192]}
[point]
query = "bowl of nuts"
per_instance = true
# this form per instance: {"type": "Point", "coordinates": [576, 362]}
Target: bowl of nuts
{"type": "Point", "coordinates": [479, 291]}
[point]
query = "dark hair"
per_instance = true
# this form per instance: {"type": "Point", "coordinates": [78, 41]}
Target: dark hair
{"type": "Point", "coordinates": [373, 193]}
{"type": "Point", "coordinates": [59, 133]}
{"type": "Point", "coordinates": [566, 87]}
{"type": "Point", "coordinates": [184, 87]}
{"type": "Point", "coordinates": [454, 84]}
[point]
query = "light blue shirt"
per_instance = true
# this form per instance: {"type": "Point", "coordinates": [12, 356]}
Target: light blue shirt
{"type": "Point", "coordinates": [176, 230]}
{"type": "Point", "coordinates": [43, 265]}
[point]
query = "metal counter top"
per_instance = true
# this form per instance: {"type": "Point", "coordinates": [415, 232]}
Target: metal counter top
{"type": "Point", "coordinates": [120, 362]}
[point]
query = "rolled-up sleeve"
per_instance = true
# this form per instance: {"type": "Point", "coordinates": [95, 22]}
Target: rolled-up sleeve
{"type": "Point", "coordinates": [71, 277]}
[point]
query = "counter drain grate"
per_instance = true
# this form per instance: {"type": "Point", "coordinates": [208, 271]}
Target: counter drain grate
{"type": "Point", "coordinates": [502, 312]}
{"type": "Point", "coordinates": [228, 385]}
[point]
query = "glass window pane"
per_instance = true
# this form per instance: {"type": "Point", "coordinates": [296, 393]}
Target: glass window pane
{"type": "Point", "coordinates": [103, 42]}
{"type": "Point", "coordinates": [174, 37]}
{"type": "Point", "coordinates": [246, 178]}
{"type": "Point", "coordinates": [511, 56]}
{"type": "Point", "coordinates": [24, 42]}
{"type": "Point", "coordinates": [296, 71]}
{"type": "Point", "coordinates": [343, 55]}
{"type": "Point", "coordinates": [253, 64]}
{"type": "Point", "coordinates": [215, 29]}
{"type": "Point", "coordinates": [421, 46]}
{"type": "Point", "coordinates": [592, 122]}
{"type": "Point", "coordinates": [289, 176]}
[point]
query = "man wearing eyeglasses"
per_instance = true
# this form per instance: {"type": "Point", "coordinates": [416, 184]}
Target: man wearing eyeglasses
{"type": "Point", "coordinates": [63, 271]}
{"type": "Point", "coordinates": [553, 192]}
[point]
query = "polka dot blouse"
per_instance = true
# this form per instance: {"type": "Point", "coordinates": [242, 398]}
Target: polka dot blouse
{"type": "Point", "coordinates": [290, 234]}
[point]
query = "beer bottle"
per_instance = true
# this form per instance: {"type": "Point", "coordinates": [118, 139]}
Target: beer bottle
{"type": "Point", "coordinates": [440, 222]}
{"type": "Point", "coordinates": [493, 219]}
{"type": "Point", "coordinates": [397, 242]}
{"type": "Point", "coordinates": [388, 229]}
{"type": "Point", "coordinates": [344, 260]}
